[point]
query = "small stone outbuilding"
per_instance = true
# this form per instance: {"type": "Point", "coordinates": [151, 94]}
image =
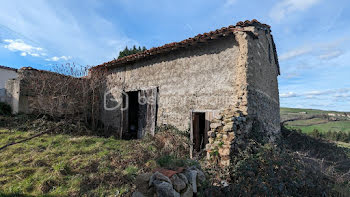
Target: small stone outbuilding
{"type": "Point", "coordinates": [212, 85]}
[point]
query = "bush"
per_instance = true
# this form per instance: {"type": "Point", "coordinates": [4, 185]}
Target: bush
{"type": "Point", "coordinates": [318, 148]}
{"type": "Point", "coordinates": [276, 172]}
{"type": "Point", "coordinates": [296, 166]}
{"type": "Point", "coordinates": [170, 161]}
{"type": "Point", "coordinates": [315, 133]}
{"type": "Point", "coordinates": [332, 135]}
{"type": "Point", "coordinates": [5, 109]}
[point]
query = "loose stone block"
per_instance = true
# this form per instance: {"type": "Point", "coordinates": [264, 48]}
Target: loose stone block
{"type": "Point", "coordinates": [215, 125]}
{"type": "Point", "coordinates": [225, 162]}
{"type": "Point", "coordinates": [228, 127]}
{"type": "Point", "coordinates": [224, 151]}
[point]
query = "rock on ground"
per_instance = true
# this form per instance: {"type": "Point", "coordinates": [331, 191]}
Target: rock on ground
{"type": "Point", "coordinates": [165, 189]}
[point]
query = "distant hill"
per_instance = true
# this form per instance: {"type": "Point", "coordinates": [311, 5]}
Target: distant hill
{"type": "Point", "coordinates": [307, 120]}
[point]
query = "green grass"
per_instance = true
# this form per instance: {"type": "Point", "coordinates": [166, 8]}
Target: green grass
{"type": "Point", "coordinates": [58, 164]}
{"type": "Point", "coordinates": [285, 110]}
{"type": "Point", "coordinates": [344, 145]}
{"type": "Point", "coordinates": [322, 128]}
{"type": "Point", "coordinates": [314, 121]}
{"type": "Point", "coordinates": [71, 162]}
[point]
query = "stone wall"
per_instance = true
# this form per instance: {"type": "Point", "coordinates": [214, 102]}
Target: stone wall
{"type": "Point", "coordinates": [263, 94]}
{"type": "Point", "coordinates": [258, 106]}
{"type": "Point", "coordinates": [228, 133]}
{"type": "Point", "coordinates": [43, 92]}
{"type": "Point", "coordinates": [2, 95]}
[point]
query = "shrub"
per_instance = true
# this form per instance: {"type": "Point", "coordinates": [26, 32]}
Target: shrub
{"type": "Point", "coordinates": [318, 148]}
{"type": "Point", "coordinates": [170, 161]}
{"type": "Point", "coordinates": [315, 133]}
{"type": "Point", "coordinates": [276, 172]}
{"type": "Point", "coordinates": [282, 169]}
{"type": "Point", "coordinates": [5, 109]}
{"type": "Point", "coordinates": [331, 135]}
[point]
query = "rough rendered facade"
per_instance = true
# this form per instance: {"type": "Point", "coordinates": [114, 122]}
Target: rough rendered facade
{"type": "Point", "coordinates": [228, 72]}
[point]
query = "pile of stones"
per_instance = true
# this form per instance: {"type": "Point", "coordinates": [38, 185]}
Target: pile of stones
{"type": "Point", "coordinates": [169, 183]}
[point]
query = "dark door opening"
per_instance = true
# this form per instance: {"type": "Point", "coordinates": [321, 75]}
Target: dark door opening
{"type": "Point", "coordinates": [139, 113]}
{"type": "Point", "coordinates": [133, 115]}
{"type": "Point", "coordinates": [199, 131]}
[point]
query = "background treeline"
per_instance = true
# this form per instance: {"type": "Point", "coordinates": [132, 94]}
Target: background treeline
{"type": "Point", "coordinates": [131, 51]}
{"type": "Point", "coordinates": [331, 135]}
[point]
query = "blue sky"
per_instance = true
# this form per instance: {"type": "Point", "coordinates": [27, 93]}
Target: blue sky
{"type": "Point", "coordinates": [312, 36]}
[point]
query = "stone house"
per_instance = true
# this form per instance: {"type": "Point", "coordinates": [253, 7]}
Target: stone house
{"type": "Point", "coordinates": [201, 84]}
{"type": "Point", "coordinates": [219, 86]}
{"type": "Point", "coordinates": [6, 73]}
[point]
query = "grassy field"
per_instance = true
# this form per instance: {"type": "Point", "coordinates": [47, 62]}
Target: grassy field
{"type": "Point", "coordinates": [59, 164]}
{"type": "Point", "coordinates": [285, 110]}
{"type": "Point", "coordinates": [308, 126]}
{"type": "Point", "coordinates": [310, 119]}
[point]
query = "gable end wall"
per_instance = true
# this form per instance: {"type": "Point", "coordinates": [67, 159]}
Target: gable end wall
{"type": "Point", "coordinates": [263, 94]}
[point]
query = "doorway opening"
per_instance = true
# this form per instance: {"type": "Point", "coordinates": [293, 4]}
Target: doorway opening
{"type": "Point", "coordinates": [199, 131]}
{"type": "Point", "coordinates": [139, 116]}
{"type": "Point", "coordinates": [133, 115]}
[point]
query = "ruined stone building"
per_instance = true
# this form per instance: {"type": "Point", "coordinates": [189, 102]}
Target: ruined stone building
{"type": "Point", "coordinates": [216, 86]}
{"type": "Point", "coordinates": [192, 82]}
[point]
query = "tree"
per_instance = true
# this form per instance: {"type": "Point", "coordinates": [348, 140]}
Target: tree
{"type": "Point", "coordinates": [131, 51]}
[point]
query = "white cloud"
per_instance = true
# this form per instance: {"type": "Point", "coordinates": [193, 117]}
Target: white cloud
{"type": "Point", "coordinates": [229, 3]}
{"type": "Point", "coordinates": [286, 7]}
{"type": "Point", "coordinates": [328, 99]}
{"type": "Point", "coordinates": [322, 50]}
{"type": "Point", "coordinates": [290, 75]}
{"type": "Point", "coordinates": [330, 55]}
{"type": "Point", "coordinates": [288, 95]}
{"type": "Point", "coordinates": [55, 58]}
{"type": "Point", "coordinates": [21, 46]}
{"type": "Point", "coordinates": [295, 53]}
{"type": "Point", "coordinates": [64, 29]}
{"type": "Point", "coordinates": [317, 94]}
{"type": "Point", "coordinates": [342, 95]}
{"type": "Point", "coordinates": [25, 49]}
{"type": "Point", "coordinates": [327, 92]}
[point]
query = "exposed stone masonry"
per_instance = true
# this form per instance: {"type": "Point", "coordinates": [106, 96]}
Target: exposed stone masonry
{"type": "Point", "coordinates": [227, 132]}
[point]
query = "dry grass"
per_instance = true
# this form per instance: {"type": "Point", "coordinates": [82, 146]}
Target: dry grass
{"type": "Point", "coordinates": [61, 164]}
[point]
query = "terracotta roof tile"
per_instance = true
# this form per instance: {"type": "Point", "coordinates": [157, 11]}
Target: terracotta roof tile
{"type": "Point", "coordinates": [187, 42]}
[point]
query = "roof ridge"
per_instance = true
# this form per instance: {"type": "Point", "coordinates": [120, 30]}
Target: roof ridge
{"type": "Point", "coordinates": [8, 68]}
{"type": "Point", "coordinates": [174, 45]}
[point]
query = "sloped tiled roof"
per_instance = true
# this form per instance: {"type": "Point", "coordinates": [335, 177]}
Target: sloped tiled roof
{"type": "Point", "coordinates": [8, 68]}
{"type": "Point", "coordinates": [200, 38]}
